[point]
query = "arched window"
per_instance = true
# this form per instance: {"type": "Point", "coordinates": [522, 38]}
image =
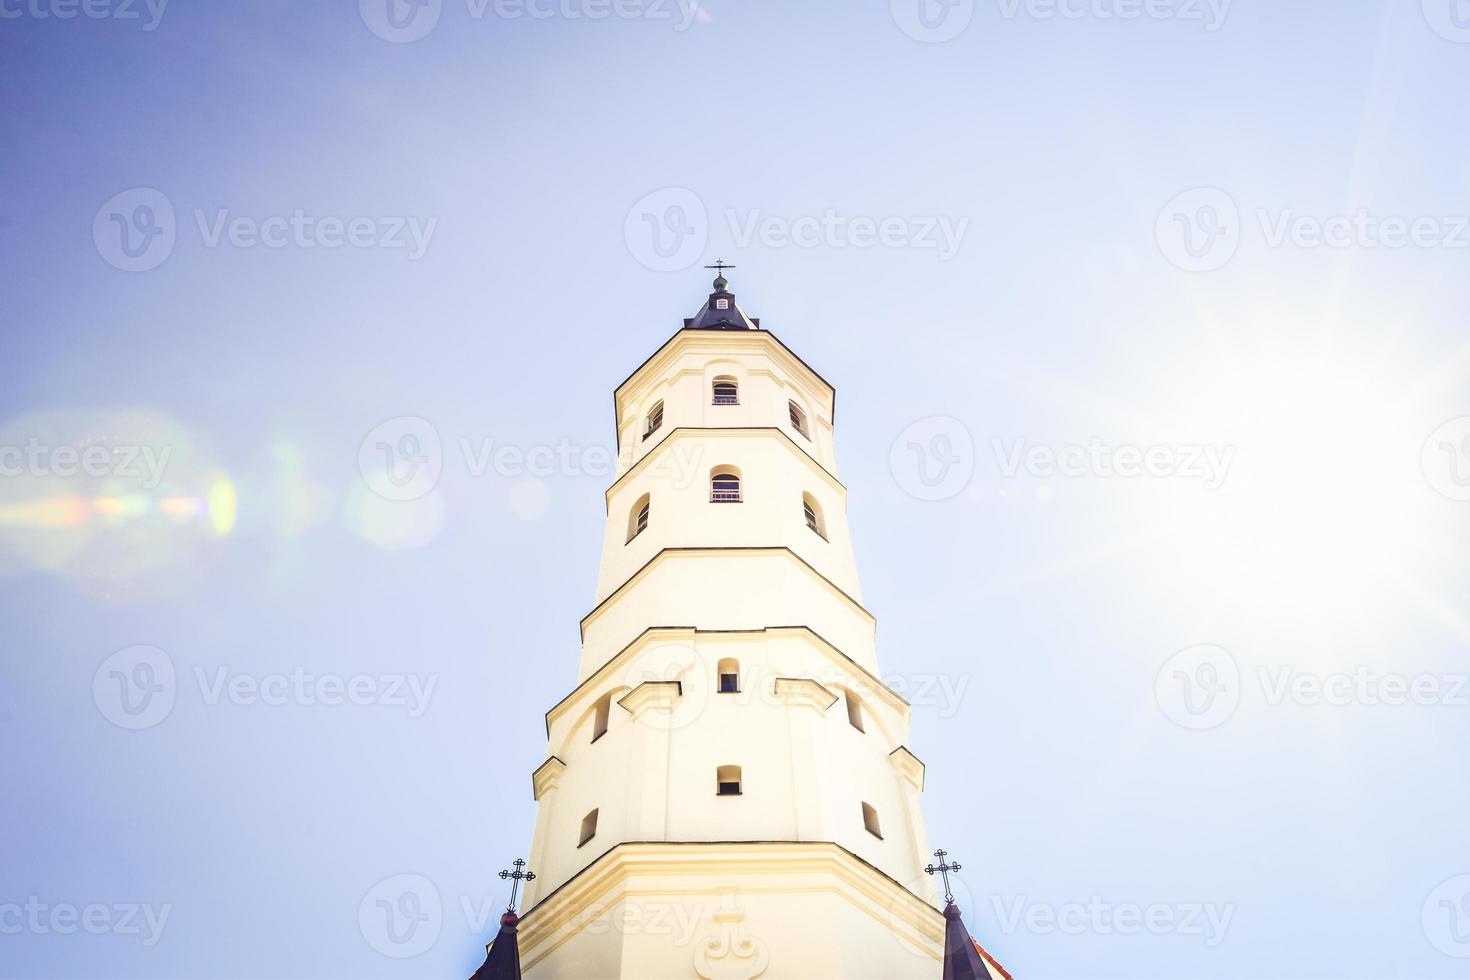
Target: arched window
{"type": "Point", "coordinates": [727, 781]}
{"type": "Point", "coordinates": [724, 486]}
{"type": "Point", "coordinates": [812, 512]}
{"type": "Point", "coordinates": [870, 821]}
{"type": "Point", "coordinates": [728, 676]}
{"type": "Point", "coordinates": [854, 710]}
{"type": "Point", "coordinates": [798, 418]}
{"type": "Point", "coordinates": [589, 828]}
{"type": "Point", "coordinates": [655, 419]}
{"type": "Point", "coordinates": [727, 391]}
{"type": "Point", "coordinates": [638, 517]}
{"type": "Point", "coordinates": [600, 716]}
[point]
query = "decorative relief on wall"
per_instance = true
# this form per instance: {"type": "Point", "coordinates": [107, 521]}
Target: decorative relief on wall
{"type": "Point", "coordinates": [731, 955]}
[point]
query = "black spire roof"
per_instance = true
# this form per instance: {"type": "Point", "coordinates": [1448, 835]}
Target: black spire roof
{"type": "Point", "coordinates": [503, 959]}
{"type": "Point", "coordinates": [720, 312]}
{"type": "Point", "coordinates": [961, 955]}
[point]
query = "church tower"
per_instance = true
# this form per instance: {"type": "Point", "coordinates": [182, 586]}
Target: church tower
{"type": "Point", "coordinates": [728, 791]}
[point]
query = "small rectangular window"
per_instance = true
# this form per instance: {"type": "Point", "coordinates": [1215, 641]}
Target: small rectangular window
{"type": "Point", "coordinates": [722, 304]}
{"type": "Point", "coordinates": [870, 821]}
{"type": "Point", "coordinates": [589, 828]}
{"type": "Point", "coordinates": [729, 683]}
{"type": "Point", "coordinates": [729, 789]}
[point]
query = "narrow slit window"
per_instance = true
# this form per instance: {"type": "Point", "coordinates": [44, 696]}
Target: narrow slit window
{"type": "Point", "coordinates": [729, 676]}
{"type": "Point", "coordinates": [727, 781]}
{"type": "Point", "coordinates": [589, 828]}
{"type": "Point", "coordinates": [798, 419]}
{"type": "Point", "coordinates": [638, 517]}
{"type": "Point", "coordinates": [854, 711]}
{"type": "Point", "coordinates": [811, 512]}
{"type": "Point", "coordinates": [870, 821]}
{"type": "Point", "coordinates": [654, 421]}
{"type": "Point", "coordinates": [600, 716]}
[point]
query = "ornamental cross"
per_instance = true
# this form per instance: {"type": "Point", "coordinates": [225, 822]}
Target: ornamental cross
{"type": "Point", "coordinates": [719, 267]}
{"type": "Point", "coordinates": [516, 877]}
{"type": "Point", "coordinates": [944, 870]}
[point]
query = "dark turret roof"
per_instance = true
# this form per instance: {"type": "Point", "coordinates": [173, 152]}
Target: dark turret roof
{"type": "Point", "coordinates": [503, 959]}
{"type": "Point", "coordinates": [962, 960]}
{"type": "Point", "coordinates": [714, 316]}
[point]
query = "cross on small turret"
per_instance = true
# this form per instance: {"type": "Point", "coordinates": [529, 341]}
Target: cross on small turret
{"type": "Point", "coordinates": [719, 267]}
{"type": "Point", "coordinates": [943, 870]}
{"type": "Point", "coordinates": [516, 877]}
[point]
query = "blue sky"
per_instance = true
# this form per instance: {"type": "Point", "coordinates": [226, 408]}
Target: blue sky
{"type": "Point", "coordinates": [1235, 230]}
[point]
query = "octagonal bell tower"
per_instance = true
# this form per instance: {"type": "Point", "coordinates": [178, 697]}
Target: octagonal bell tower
{"type": "Point", "coordinates": [728, 790]}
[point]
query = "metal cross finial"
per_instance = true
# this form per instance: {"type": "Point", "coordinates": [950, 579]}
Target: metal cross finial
{"type": "Point", "coordinates": [516, 877]}
{"type": "Point", "coordinates": [719, 267]}
{"type": "Point", "coordinates": [944, 870]}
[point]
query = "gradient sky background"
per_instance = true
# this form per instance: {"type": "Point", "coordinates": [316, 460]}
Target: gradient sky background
{"type": "Point", "coordinates": [1332, 833]}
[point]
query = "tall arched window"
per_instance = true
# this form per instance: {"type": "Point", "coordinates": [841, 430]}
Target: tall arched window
{"type": "Point", "coordinates": [727, 391]}
{"type": "Point", "coordinates": [727, 781]}
{"type": "Point", "coordinates": [638, 517]}
{"type": "Point", "coordinates": [724, 486]}
{"type": "Point", "coordinates": [811, 511]}
{"type": "Point", "coordinates": [727, 674]}
{"type": "Point", "coordinates": [854, 710]}
{"type": "Point", "coordinates": [798, 418]}
{"type": "Point", "coordinates": [589, 828]}
{"type": "Point", "coordinates": [655, 419]}
{"type": "Point", "coordinates": [870, 821]}
{"type": "Point", "coordinates": [600, 716]}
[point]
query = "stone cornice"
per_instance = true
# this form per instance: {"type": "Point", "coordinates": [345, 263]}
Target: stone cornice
{"type": "Point", "coordinates": [649, 696]}
{"type": "Point", "coordinates": [805, 692]}
{"type": "Point", "coordinates": [908, 766]}
{"type": "Point", "coordinates": [774, 866]}
{"type": "Point", "coordinates": [545, 778]}
{"type": "Point", "coordinates": [664, 553]}
{"type": "Point", "coordinates": [690, 431]}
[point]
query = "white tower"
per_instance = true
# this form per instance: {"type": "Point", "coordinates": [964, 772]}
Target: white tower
{"type": "Point", "coordinates": [728, 791]}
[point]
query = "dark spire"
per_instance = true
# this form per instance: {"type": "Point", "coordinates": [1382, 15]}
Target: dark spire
{"type": "Point", "coordinates": [503, 958]}
{"type": "Point", "coordinates": [961, 955]}
{"type": "Point", "coordinates": [720, 311]}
